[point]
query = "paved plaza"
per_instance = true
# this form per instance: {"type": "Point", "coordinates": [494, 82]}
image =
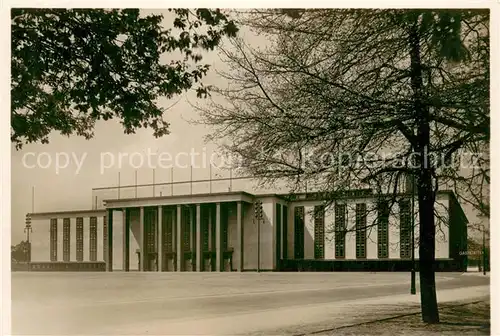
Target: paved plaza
{"type": "Point", "coordinates": [213, 303]}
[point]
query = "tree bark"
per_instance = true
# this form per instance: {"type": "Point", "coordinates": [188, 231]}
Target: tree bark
{"type": "Point", "coordinates": [428, 299]}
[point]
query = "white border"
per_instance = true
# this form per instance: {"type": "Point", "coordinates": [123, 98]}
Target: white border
{"type": "Point", "coordinates": [5, 184]}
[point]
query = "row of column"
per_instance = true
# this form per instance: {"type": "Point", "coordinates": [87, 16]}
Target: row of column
{"type": "Point", "coordinates": [92, 239]}
{"type": "Point", "coordinates": [179, 235]}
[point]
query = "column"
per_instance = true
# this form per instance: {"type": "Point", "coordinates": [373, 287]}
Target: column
{"type": "Point", "coordinates": [92, 238]}
{"type": "Point", "coordinates": [105, 238]}
{"type": "Point", "coordinates": [210, 245]}
{"type": "Point", "coordinates": [126, 240]}
{"type": "Point", "coordinates": [79, 238]}
{"type": "Point", "coordinates": [174, 238]}
{"type": "Point", "coordinates": [239, 232]}
{"type": "Point", "coordinates": [66, 239]}
{"type": "Point", "coordinates": [210, 238]}
{"type": "Point", "coordinates": [192, 236]}
{"type": "Point", "coordinates": [160, 238]}
{"type": "Point", "coordinates": [218, 248]}
{"type": "Point", "coordinates": [53, 239]}
{"type": "Point", "coordinates": [142, 239]}
{"type": "Point", "coordinates": [109, 243]}
{"type": "Point", "coordinates": [179, 240]}
{"type": "Point", "coordinates": [199, 259]}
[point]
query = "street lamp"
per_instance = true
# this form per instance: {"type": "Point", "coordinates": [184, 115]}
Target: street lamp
{"type": "Point", "coordinates": [27, 249]}
{"type": "Point", "coordinates": [258, 216]}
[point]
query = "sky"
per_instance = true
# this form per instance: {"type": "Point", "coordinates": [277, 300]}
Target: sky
{"type": "Point", "coordinates": [70, 188]}
{"type": "Point", "coordinates": [95, 163]}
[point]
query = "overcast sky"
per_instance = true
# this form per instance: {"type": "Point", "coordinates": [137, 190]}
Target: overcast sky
{"type": "Point", "coordinates": [71, 188]}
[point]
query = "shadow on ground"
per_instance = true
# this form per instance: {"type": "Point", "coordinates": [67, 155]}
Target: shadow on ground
{"type": "Point", "coordinates": [470, 319]}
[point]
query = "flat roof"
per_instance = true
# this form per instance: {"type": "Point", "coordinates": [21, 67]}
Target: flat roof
{"type": "Point", "coordinates": [67, 214]}
{"type": "Point", "coordinates": [231, 196]}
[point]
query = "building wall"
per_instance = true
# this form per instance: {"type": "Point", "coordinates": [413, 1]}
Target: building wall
{"type": "Point", "coordinates": [268, 231]}
{"type": "Point", "coordinates": [117, 241]}
{"type": "Point", "coordinates": [394, 232]}
{"type": "Point", "coordinates": [134, 238]}
{"type": "Point", "coordinates": [72, 239]}
{"type": "Point", "coordinates": [442, 228]}
{"type": "Point", "coordinates": [250, 237]}
{"type": "Point", "coordinates": [86, 238]}
{"type": "Point", "coordinates": [100, 243]}
{"type": "Point", "coordinates": [371, 232]}
{"type": "Point", "coordinates": [309, 232]}
{"type": "Point", "coordinates": [290, 232]}
{"type": "Point", "coordinates": [268, 234]}
{"type": "Point", "coordinates": [40, 241]}
{"type": "Point", "coordinates": [442, 231]}
{"type": "Point", "coordinates": [232, 232]}
{"type": "Point", "coordinates": [350, 239]}
{"type": "Point", "coordinates": [60, 236]}
{"type": "Point", "coordinates": [329, 233]}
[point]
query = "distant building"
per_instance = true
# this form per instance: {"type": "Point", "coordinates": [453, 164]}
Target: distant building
{"type": "Point", "coordinates": [221, 232]}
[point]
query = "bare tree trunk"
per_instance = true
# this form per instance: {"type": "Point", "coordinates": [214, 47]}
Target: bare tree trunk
{"type": "Point", "coordinates": [428, 299]}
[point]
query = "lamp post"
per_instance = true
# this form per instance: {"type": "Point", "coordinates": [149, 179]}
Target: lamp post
{"type": "Point", "coordinates": [413, 289]}
{"type": "Point", "coordinates": [484, 250]}
{"type": "Point", "coordinates": [258, 216]}
{"type": "Point", "coordinates": [27, 249]}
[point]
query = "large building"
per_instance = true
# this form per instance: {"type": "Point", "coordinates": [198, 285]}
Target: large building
{"type": "Point", "coordinates": [231, 231]}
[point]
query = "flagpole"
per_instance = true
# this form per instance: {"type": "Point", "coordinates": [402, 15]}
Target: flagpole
{"type": "Point", "coordinates": [210, 178]}
{"type": "Point", "coordinates": [172, 181]}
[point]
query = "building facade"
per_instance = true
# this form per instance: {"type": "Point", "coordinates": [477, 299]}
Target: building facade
{"type": "Point", "coordinates": [223, 232]}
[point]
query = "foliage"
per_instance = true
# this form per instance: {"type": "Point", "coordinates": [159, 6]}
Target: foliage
{"type": "Point", "coordinates": [352, 98]}
{"type": "Point", "coordinates": [72, 67]}
{"type": "Point", "coordinates": [330, 101]}
{"type": "Point", "coordinates": [20, 252]}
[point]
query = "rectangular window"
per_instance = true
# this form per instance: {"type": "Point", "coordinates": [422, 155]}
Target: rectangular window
{"type": "Point", "coordinates": [53, 239]}
{"type": "Point", "coordinates": [279, 238]}
{"type": "Point", "coordinates": [224, 217]}
{"type": "Point", "coordinates": [319, 232]}
{"type": "Point", "coordinates": [285, 232]}
{"type": "Point", "coordinates": [204, 220]}
{"type": "Point", "coordinates": [168, 224]}
{"type": "Point", "coordinates": [405, 229]}
{"type": "Point", "coordinates": [186, 230]}
{"type": "Point", "coordinates": [340, 230]}
{"type": "Point", "coordinates": [66, 239]}
{"type": "Point", "coordinates": [79, 238]}
{"type": "Point", "coordinates": [361, 230]}
{"type": "Point", "coordinates": [213, 228]}
{"type": "Point", "coordinates": [150, 228]}
{"type": "Point", "coordinates": [92, 238]}
{"type": "Point", "coordinates": [383, 212]}
{"type": "Point", "coordinates": [299, 232]}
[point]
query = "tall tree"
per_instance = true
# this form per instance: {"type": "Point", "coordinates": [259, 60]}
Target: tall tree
{"type": "Point", "coordinates": [71, 67]}
{"type": "Point", "coordinates": [359, 98]}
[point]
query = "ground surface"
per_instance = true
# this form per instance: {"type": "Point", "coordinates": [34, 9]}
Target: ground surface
{"type": "Point", "coordinates": [217, 303]}
{"type": "Point", "coordinates": [459, 319]}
